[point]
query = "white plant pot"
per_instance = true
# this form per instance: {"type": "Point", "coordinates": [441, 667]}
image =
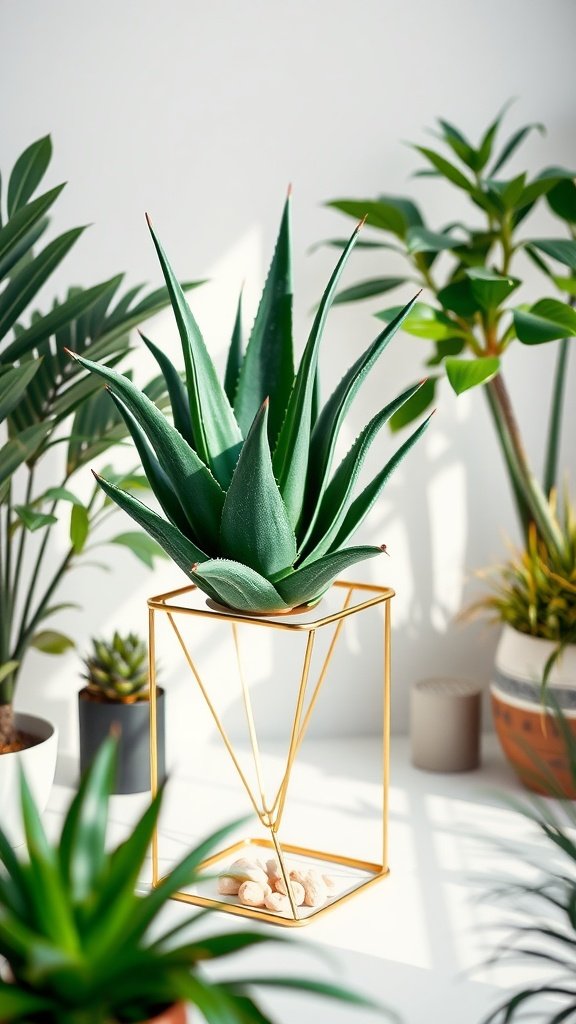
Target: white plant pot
{"type": "Point", "coordinates": [39, 764]}
{"type": "Point", "coordinates": [528, 733]}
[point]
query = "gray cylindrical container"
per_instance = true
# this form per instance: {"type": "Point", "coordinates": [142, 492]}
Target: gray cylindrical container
{"type": "Point", "coordinates": [98, 717]}
{"type": "Point", "coordinates": [445, 725]}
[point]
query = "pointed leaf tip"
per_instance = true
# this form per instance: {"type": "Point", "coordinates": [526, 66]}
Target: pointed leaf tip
{"type": "Point", "coordinates": [70, 353]}
{"type": "Point", "coordinates": [362, 222]}
{"type": "Point", "coordinates": [194, 567]}
{"type": "Point", "coordinates": [148, 219]}
{"type": "Point", "coordinates": [385, 550]}
{"type": "Point", "coordinates": [289, 190]}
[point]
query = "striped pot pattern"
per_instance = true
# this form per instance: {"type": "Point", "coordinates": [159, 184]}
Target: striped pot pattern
{"type": "Point", "coordinates": [528, 734]}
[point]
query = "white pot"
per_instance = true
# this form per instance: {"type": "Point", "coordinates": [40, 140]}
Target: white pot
{"type": "Point", "coordinates": [39, 764]}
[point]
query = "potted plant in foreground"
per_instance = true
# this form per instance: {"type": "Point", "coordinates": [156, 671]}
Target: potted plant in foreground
{"type": "Point", "coordinates": [469, 271]}
{"type": "Point", "coordinates": [117, 695]}
{"type": "Point", "coordinates": [83, 948]}
{"type": "Point", "coordinates": [52, 421]}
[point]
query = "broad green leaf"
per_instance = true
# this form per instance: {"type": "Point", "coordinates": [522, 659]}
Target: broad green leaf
{"type": "Point", "coordinates": [512, 145]}
{"type": "Point", "coordinates": [290, 458]}
{"type": "Point", "coordinates": [27, 174]}
{"type": "Point", "coordinates": [216, 433]}
{"type": "Point", "coordinates": [234, 358]}
{"type": "Point", "coordinates": [50, 641]}
{"type": "Point", "coordinates": [79, 527]}
{"type": "Point", "coordinates": [141, 545]}
{"type": "Point", "coordinates": [424, 321]}
{"type": "Point", "coordinates": [21, 448]}
{"type": "Point", "coordinates": [562, 200]}
{"type": "Point", "coordinates": [255, 528]}
{"type": "Point", "coordinates": [446, 169]}
{"type": "Point", "coordinates": [459, 298]}
{"type": "Point", "coordinates": [382, 215]}
{"type": "Point", "coordinates": [62, 494]}
{"type": "Point", "coordinates": [512, 190]}
{"type": "Point", "coordinates": [449, 347]}
{"type": "Point", "coordinates": [24, 219]}
{"type": "Point", "coordinates": [238, 586]}
{"type": "Point", "coordinates": [157, 479]}
{"type": "Point", "coordinates": [420, 239]}
{"type": "Point", "coordinates": [362, 505]}
{"type": "Point", "coordinates": [326, 430]}
{"type": "Point", "coordinates": [547, 320]}
{"type": "Point", "coordinates": [415, 406]}
{"type": "Point", "coordinates": [469, 373]}
{"type": "Point", "coordinates": [489, 288]}
{"type": "Point", "coordinates": [561, 249]}
{"type": "Point", "coordinates": [13, 384]}
{"type": "Point", "coordinates": [406, 207]}
{"type": "Point", "coordinates": [176, 390]}
{"type": "Point", "coordinates": [179, 548]}
{"type": "Point", "coordinates": [32, 519]}
{"type": "Point", "coordinates": [336, 498]}
{"type": "Point", "coordinates": [566, 284]}
{"type": "Point", "coordinates": [267, 370]}
{"type": "Point", "coordinates": [197, 490]}
{"type": "Point", "coordinates": [28, 281]}
{"type": "Point", "coordinates": [7, 669]}
{"type": "Point", "coordinates": [368, 289]}
{"type": "Point", "coordinates": [82, 847]}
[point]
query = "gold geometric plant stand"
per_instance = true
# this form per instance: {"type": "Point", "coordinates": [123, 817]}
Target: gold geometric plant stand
{"type": "Point", "coordinates": [354, 598]}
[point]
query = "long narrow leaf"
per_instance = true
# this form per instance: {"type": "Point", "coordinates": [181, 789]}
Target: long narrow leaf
{"type": "Point", "coordinates": [176, 390]}
{"type": "Point", "coordinates": [268, 365]}
{"type": "Point", "coordinates": [255, 528]}
{"type": "Point", "coordinates": [27, 173]}
{"type": "Point", "coordinates": [216, 432]}
{"type": "Point", "coordinates": [23, 220]}
{"type": "Point", "coordinates": [13, 384]}
{"type": "Point", "coordinates": [234, 359]}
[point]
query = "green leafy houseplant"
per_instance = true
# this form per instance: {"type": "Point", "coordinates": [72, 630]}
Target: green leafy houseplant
{"type": "Point", "coordinates": [51, 415]}
{"type": "Point", "coordinates": [77, 937]}
{"type": "Point", "coordinates": [469, 270]}
{"type": "Point", "coordinates": [117, 669]}
{"type": "Point", "coordinates": [254, 516]}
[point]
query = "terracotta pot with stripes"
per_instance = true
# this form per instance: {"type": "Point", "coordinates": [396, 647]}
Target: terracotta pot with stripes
{"type": "Point", "coordinates": [527, 732]}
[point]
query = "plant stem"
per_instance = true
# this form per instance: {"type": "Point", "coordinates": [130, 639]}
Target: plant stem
{"type": "Point", "coordinates": [15, 583]}
{"type": "Point", "coordinates": [554, 429]}
{"type": "Point", "coordinates": [27, 629]}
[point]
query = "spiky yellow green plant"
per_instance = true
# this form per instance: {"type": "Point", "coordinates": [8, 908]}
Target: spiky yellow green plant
{"type": "Point", "coordinates": [117, 668]}
{"type": "Point", "coordinates": [535, 591]}
{"type": "Point", "coordinates": [255, 516]}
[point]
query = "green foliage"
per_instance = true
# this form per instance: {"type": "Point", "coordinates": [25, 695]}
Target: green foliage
{"type": "Point", "coordinates": [82, 946]}
{"type": "Point", "coordinates": [468, 273]}
{"type": "Point", "coordinates": [254, 514]}
{"type": "Point", "coordinates": [117, 668]}
{"type": "Point", "coordinates": [47, 401]}
{"type": "Point", "coordinates": [535, 591]}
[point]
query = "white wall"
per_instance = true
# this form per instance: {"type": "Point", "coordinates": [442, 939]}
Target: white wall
{"type": "Point", "coordinates": [201, 114]}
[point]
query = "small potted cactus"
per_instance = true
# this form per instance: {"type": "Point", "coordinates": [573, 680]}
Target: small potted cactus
{"type": "Point", "coordinates": [116, 697]}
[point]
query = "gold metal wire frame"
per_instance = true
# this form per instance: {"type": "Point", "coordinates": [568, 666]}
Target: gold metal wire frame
{"type": "Point", "coordinates": [270, 811]}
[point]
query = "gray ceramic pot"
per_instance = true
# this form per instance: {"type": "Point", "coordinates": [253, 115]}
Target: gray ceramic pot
{"type": "Point", "coordinates": [97, 717]}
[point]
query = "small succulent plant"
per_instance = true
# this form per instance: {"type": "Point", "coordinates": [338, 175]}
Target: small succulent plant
{"type": "Point", "coordinates": [255, 515]}
{"type": "Point", "coordinates": [117, 669]}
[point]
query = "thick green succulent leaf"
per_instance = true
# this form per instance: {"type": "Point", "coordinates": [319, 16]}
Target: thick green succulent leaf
{"type": "Point", "coordinates": [489, 288]}
{"type": "Point", "coordinates": [268, 365]}
{"type": "Point", "coordinates": [327, 427]}
{"type": "Point", "coordinates": [234, 358]}
{"type": "Point", "coordinates": [198, 492]}
{"type": "Point", "coordinates": [561, 249]}
{"type": "Point", "coordinates": [238, 586]}
{"type": "Point", "coordinates": [28, 281]}
{"type": "Point", "coordinates": [469, 373]}
{"type": "Point", "coordinates": [13, 384]}
{"type": "Point", "coordinates": [368, 289]}
{"type": "Point", "coordinates": [159, 481]}
{"type": "Point", "coordinates": [176, 390]}
{"type": "Point", "coordinates": [361, 506]}
{"type": "Point", "coordinates": [423, 321]}
{"type": "Point", "coordinates": [336, 498]}
{"type": "Point", "coordinates": [290, 457]}
{"type": "Point", "coordinates": [216, 433]}
{"type": "Point", "coordinates": [23, 220]}
{"type": "Point", "coordinates": [82, 847]}
{"type": "Point", "coordinates": [255, 528]}
{"type": "Point", "coordinates": [310, 581]}
{"type": "Point", "coordinates": [546, 320]}
{"type": "Point", "coordinates": [27, 173]}
{"type": "Point", "coordinates": [179, 548]}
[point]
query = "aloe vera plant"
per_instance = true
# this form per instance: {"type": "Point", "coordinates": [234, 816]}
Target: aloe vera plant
{"type": "Point", "coordinates": [254, 514]}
